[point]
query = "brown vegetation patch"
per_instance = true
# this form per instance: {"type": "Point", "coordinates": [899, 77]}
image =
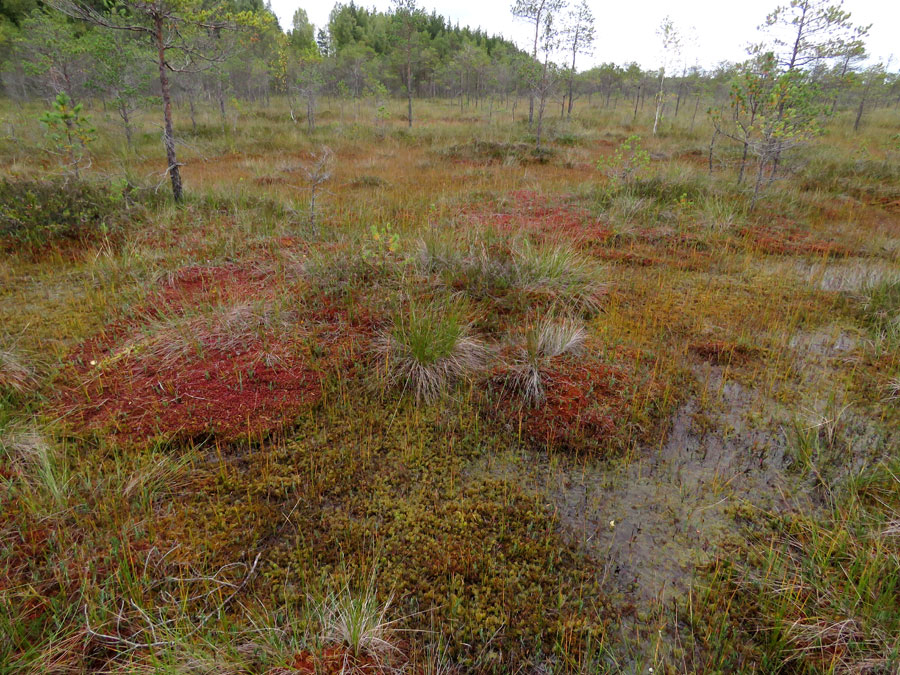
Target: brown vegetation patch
{"type": "Point", "coordinates": [696, 156]}
{"type": "Point", "coordinates": [270, 180]}
{"type": "Point", "coordinates": [790, 241]}
{"type": "Point", "coordinates": [335, 660]}
{"type": "Point", "coordinates": [211, 284]}
{"type": "Point", "coordinates": [723, 353]}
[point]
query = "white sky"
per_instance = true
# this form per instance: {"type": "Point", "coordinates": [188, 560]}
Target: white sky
{"type": "Point", "coordinates": [626, 31]}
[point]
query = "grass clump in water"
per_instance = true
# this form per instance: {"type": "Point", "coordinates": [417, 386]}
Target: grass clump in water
{"type": "Point", "coordinates": [881, 309]}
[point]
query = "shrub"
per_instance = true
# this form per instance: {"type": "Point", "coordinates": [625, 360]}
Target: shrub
{"type": "Point", "coordinates": [428, 347]}
{"type": "Point", "coordinates": [627, 162]}
{"type": "Point", "coordinates": [35, 214]}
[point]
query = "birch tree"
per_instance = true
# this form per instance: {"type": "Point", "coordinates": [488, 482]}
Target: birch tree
{"type": "Point", "coordinates": [535, 13]}
{"type": "Point", "coordinates": [579, 36]}
{"type": "Point", "coordinates": [670, 43]}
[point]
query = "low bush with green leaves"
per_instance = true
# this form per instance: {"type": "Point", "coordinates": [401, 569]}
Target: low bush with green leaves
{"type": "Point", "coordinates": [35, 214]}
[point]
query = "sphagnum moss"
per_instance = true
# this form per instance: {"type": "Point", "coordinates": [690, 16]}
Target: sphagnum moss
{"type": "Point", "coordinates": [358, 479]}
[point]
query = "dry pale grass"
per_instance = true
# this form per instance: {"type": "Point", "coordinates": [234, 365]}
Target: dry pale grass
{"type": "Point", "coordinates": [15, 375]}
{"type": "Point", "coordinates": [542, 343]}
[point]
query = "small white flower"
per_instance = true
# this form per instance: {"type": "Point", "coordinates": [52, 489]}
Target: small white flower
{"type": "Point", "coordinates": [612, 524]}
{"type": "Point", "coordinates": [93, 362]}
{"type": "Point", "coordinates": [650, 670]}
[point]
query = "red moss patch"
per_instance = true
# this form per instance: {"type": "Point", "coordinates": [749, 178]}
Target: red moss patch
{"type": "Point", "coordinates": [588, 405]}
{"type": "Point", "coordinates": [532, 213]}
{"type": "Point", "coordinates": [133, 387]}
{"type": "Point", "coordinates": [226, 395]}
{"type": "Point", "coordinates": [790, 241]}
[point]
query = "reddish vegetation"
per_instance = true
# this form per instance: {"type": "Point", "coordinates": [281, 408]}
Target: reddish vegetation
{"type": "Point", "coordinates": [270, 180]}
{"type": "Point", "coordinates": [723, 353]}
{"type": "Point", "coordinates": [261, 386]}
{"type": "Point", "coordinates": [211, 284]}
{"type": "Point", "coordinates": [228, 395]}
{"type": "Point", "coordinates": [334, 661]}
{"type": "Point", "coordinates": [630, 257]}
{"type": "Point", "coordinates": [785, 240]}
{"type": "Point", "coordinates": [587, 405]}
{"type": "Point", "coordinates": [886, 203]}
{"type": "Point", "coordinates": [696, 156]}
{"type": "Point", "coordinates": [527, 211]}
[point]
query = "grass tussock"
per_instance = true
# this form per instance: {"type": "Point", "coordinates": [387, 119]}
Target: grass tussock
{"type": "Point", "coordinates": [881, 309]}
{"type": "Point", "coordinates": [15, 374]}
{"type": "Point", "coordinates": [359, 621]}
{"type": "Point", "coordinates": [429, 347]}
{"type": "Point", "coordinates": [498, 268]}
{"type": "Point", "coordinates": [42, 472]}
{"type": "Point", "coordinates": [541, 344]}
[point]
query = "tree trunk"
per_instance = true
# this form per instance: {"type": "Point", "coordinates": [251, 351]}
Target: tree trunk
{"type": "Point", "coordinates": [859, 113]}
{"type": "Point", "coordinates": [537, 27]}
{"type": "Point", "coordinates": [743, 163]}
{"type": "Point", "coordinates": [637, 99]}
{"type": "Point", "coordinates": [541, 105]}
{"type": "Point", "coordinates": [712, 145]}
{"type": "Point", "coordinates": [571, 83]}
{"type": "Point", "coordinates": [694, 117]}
{"type": "Point", "coordinates": [168, 132]}
{"type": "Point", "coordinates": [193, 113]}
{"type": "Point", "coordinates": [220, 95]}
{"type": "Point", "coordinates": [659, 101]}
{"type": "Point", "coordinates": [756, 187]}
{"type": "Point", "coordinates": [409, 90]}
{"type": "Point", "coordinates": [123, 112]}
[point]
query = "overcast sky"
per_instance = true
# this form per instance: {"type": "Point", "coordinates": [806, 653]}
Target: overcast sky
{"type": "Point", "coordinates": [626, 30]}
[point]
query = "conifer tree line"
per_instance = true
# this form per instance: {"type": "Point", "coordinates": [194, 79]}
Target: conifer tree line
{"type": "Point", "coordinates": [403, 52]}
{"type": "Point", "coordinates": [53, 46]}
